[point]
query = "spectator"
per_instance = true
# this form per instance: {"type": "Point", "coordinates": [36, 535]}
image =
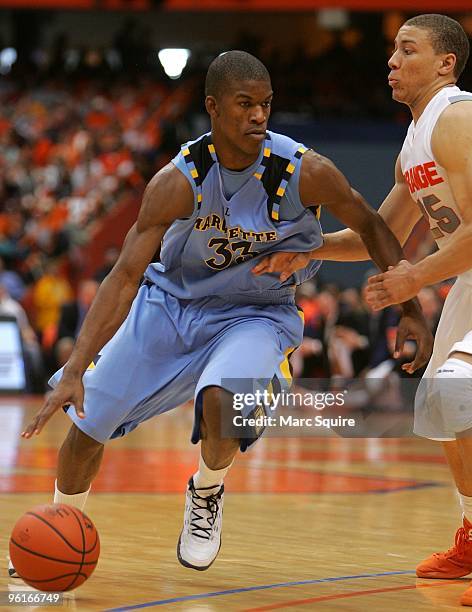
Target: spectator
{"type": "Point", "coordinates": [63, 350]}
{"type": "Point", "coordinates": [32, 352]}
{"type": "Point", "coordinates": [72, 314]}
{"type": "Point", "coordinates": [49, 293]}
{"type": "Point", "coordinates": [12, 281]}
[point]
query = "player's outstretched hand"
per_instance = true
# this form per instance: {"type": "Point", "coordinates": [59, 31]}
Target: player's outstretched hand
{"type": "Point", "coordinates": [285, 263]}
{"type": "Point", "coordinates": [414, 327]}
{"type": "Point", "coordinates": [69, 390]}
{"type": "Point", "coordinates": [395, 286]}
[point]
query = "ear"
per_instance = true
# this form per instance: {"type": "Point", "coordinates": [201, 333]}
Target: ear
{"type": "Point", "coordinates": [448, 64]}
{"type": "Point", "coordinates": [211, 106]}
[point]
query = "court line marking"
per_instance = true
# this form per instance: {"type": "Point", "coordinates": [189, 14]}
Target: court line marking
{"type": "Point", "coordinates": [412, 487]}
{"type": "Point", "coordinates": [303, 602]}
{"type": "Point", "coordinates": [263, 587]}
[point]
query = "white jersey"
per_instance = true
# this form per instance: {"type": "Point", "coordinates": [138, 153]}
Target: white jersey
{"type": "Point", "coordinates": [426, 179]}
{"type": "Point", "coordinates": [429, 187]}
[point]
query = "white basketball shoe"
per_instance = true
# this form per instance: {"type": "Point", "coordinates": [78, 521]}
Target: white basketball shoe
{"type": "Point", "coordinates": [12, 573]}
{"type": "Point", "coordinates": [200, 539]}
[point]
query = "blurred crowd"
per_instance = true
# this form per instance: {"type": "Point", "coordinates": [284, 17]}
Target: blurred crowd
{"type": "Point", "coordinates": [327, 71]}
{"type": "Point", "coordinates": [69, 154]}
{"type": "Point", "coordinates": [345, 339]}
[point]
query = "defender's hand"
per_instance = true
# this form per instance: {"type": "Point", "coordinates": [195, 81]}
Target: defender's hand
{"type": "Point", "coordinates": [399, 284]}
{"type": "Point", "coordinates": [414, 327]}
{"type": "Point", "coordinates": [285, 263]}
{"type": "Point", "coordinates": [69, 390]}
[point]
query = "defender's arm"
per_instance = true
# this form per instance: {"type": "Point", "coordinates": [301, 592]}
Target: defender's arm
{"type": "Point", "coordinates": [398, 210]}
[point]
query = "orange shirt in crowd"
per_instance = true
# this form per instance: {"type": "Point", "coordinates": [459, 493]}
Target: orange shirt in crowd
{"type": "Point", "coordinates": [49, 293]}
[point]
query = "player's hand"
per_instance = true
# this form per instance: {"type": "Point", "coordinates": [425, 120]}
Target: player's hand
{"type": "Point", "coordinates": [285, 263]}
{"type": "Point", "coordinates": [399, 284]}
{"type": "Point", "coordinates": [69, 390]}
{"type": "Point", "coordinates": [414, 326]}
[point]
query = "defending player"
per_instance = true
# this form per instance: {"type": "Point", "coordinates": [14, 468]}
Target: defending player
{"type": "Point", "coordinates": [202, 325]}
{"type": "Point", "coordinates": [433, 177]}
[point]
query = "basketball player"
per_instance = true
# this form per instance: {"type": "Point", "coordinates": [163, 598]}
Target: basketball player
{"type": "Point", "coordinates": [201, 324]}
{"type": "Point", "coordinates": [433, 177]}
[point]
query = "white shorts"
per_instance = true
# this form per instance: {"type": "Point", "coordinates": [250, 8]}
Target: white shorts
{"type": "Point", "coordinates": [453, 334]}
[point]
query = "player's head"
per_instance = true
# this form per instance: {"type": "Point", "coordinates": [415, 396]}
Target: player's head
{"type": "Point", "coordinates": [430, 50]}
{"type": "Point", "coordinates": [238, 96]}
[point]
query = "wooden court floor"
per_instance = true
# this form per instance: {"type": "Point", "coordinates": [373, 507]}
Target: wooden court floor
{"type": "Point", "coordinates": [322, 524]}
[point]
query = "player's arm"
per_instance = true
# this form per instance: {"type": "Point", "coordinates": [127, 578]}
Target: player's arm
{"type": "Point", "coordinates": [167, 198]}
{"type": "Point", "coordinates": [321, 183]}
{"type": "Point", "coordinates": [451, 143]}
{"type": "Point", "coordinates": [398, 210]}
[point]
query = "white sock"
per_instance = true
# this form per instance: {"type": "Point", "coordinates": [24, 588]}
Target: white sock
{"type": "Point", "coordinates": [78, 500]}
{"type": "Point", "coordinates": [205, 477]}
{"type": "Point", "coordinates": [466, 505]}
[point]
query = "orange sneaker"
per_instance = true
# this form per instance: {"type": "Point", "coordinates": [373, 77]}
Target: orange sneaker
{"type": "Point", "coordinates": [455, 562]}
{"type": "Point", "coordinates": [466, 599]}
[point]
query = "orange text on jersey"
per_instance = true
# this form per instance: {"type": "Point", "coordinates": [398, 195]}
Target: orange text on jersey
{"type": "Point", "coordinates": [422, 176]}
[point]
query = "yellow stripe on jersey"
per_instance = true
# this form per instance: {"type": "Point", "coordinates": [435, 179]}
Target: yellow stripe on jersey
{"type": "Point", "coordinates": [285, 366]}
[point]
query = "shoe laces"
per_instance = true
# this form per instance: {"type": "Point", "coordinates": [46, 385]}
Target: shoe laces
{"type": "Point", "coordinates": [203, 514]}
{"type": "Point", "coordinates": [460, 543]}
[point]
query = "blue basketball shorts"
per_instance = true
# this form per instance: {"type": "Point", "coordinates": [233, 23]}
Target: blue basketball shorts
{"type": "Point", "coordinates": [169, 350]}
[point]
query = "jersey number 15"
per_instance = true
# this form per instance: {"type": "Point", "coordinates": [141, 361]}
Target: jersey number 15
{"type": "Point", "coordinates": [446, 219]}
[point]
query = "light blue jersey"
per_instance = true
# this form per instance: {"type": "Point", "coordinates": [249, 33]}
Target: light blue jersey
{"type": "Point", "coordinates": [202, 319]}
{"type": "Point", "coordinates": [213, 251]}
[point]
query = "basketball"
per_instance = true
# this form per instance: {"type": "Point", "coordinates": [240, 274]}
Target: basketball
{"type": "Point", "coordinates": [54, 547]}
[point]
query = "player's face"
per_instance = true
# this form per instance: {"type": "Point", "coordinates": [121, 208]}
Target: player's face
{"type": "Point", "coordinates": [242, 113]}
{"type": "Point", "coordinates": [414, 65]}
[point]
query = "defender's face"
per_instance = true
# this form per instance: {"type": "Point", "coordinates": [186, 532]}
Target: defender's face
{"type": "Point", "coordinates": [414, 64]}
{"type": "Point", "coordinates": [242, 112]}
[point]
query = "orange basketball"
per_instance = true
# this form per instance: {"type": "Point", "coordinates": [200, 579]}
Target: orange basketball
{"type": "Point", "coordinates": [54, 547]}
